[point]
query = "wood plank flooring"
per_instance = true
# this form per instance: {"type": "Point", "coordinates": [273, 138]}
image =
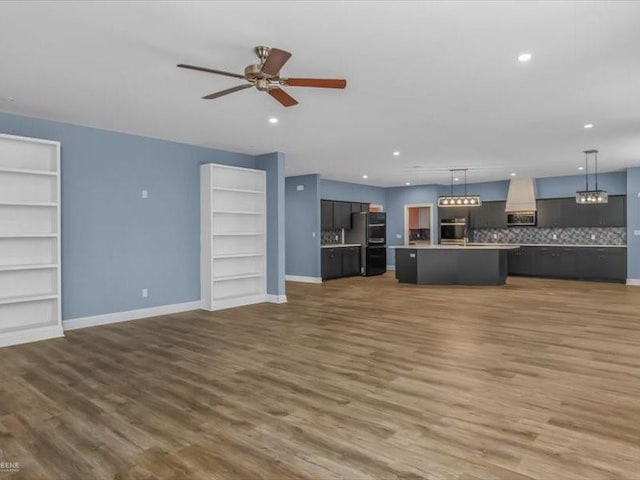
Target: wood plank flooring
{"type": "Point", "coordinates": [357, 378]}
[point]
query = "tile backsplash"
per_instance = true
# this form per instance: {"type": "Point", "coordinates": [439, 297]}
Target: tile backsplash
{"type": "Point", "coordinates": [533, 235]}
{"type": "Point", "coordinates": [328, 237]}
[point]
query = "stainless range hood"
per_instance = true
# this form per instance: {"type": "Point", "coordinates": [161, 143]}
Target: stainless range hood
{"type": "Point", "coordinates": [522, 195]}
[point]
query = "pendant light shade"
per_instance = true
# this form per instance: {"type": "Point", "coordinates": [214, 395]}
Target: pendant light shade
{"type": "Point", "coordinates": [588, 196]}
{"type": "Point", "coordinates": [459, 200]}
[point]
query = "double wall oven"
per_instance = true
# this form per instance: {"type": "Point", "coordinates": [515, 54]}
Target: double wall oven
{"type": "Point", "coordinates": [453, 231]}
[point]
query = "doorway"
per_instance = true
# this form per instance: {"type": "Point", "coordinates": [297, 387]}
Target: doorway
{"type": "Point", "coordinates": [418, 224]}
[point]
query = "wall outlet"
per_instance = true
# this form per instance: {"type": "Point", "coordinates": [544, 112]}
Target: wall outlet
{"type": "Point", "coordinates": [313, 234]}
{"type": "Point", "coordinates": [300, 188]}
{"type": "Point", "coordinates": [495, 236]}
{"type": "Point", "coordinates": [145, 194]}
{"type": "Point", "coordinates": [555, 237]}
{"type": "Point", "coordinates": [638, 194]}
{"type": "Point", "coordinates": [145, 293]}
{"type": "Point", "coordinates": [593, 237]}
{"type": "Point", "coordinates": [636, 233]}
{"type": "Point", "coordinates": [398, 236]}
{"type": "Point", "coordinates": [337, 237]}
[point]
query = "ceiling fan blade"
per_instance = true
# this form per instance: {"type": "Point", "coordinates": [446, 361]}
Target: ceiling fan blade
{"type": "Point", "coordinates": [227, 91]}
{"type": "Point", "coordinates": [315, 82]}
{"type": "Point", "coordinates": [275, 61]}
{"type": "Point", "coordinates": [210, 70]}
{"type": "Point", "coordinates": [283, 97]}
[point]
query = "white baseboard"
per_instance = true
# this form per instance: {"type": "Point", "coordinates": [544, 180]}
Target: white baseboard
{"type": "Point", "coordinates": [277, 298]}
{"type": "Point", "coordinates": [94, 321]}
{"type": "Point", "coordinates": [32, 335]}
{"type": "Point", "coordinates": [635, 282]}
{"type": "Point", "coordinates": [298, 278]}
{"type": "Point", "coordinates": [391, 267]}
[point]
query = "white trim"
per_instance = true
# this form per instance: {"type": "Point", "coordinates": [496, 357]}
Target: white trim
{"type": "Point", "coordinates": [277, 298]}
{"type": "Point", "coordinates": [302, 279]}
{"type": "Point", "coordinates": [30, 139]}
{"type": "Point", "coordinates": [432, 231]}
{"type": "Point", "coordinates": [106, 319]}
{"type": "Point", "coordinates": [634, 282]}
{"type": "Point", "coordinates": [391, 267]}
{"type": "Point", "coordinates": [224, 303]}
{"type": "Point", "coordinates": [30, 335]}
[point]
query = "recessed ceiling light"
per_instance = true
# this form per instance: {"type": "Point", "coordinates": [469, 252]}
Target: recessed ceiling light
{"type": "Point", "coordinates": [408, 183]}
{"type": "Point", "coordinates": [580, 168]}
{"type": "Point", "coordinates": [456, 179]}
{"type": "Point", "coordinates": [588, 125]}
{"type": "Point", "coordinates": [524, 57]}
{"type": "Point", "coordinates": [273, 120]}
{"type": "Point", "coordinates": [513, 174]}
{"type": "Point", "coordinates": [396, 153]}
{"type": "Point", "coordinates": [6, 99]}
{"type": "Point", "coordinates": [365, 176]}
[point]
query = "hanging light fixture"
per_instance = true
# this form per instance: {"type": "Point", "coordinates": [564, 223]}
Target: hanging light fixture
{"type": "Point", "coordinates": [588, 196]}
{"type": "Point", "coordinates": [459, 200]}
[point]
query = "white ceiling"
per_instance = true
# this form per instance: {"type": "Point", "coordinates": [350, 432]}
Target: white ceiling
{"type": "Point", "coordinates": [437, 81]}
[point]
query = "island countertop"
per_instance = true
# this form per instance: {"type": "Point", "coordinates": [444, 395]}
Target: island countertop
{"type": "Point", "coordinates": [457, 247]}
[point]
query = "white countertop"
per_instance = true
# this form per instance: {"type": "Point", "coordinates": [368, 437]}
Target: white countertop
{"type": "Point", "coordinates": [495, 246]}
{"type": "Point", "coordinates": [550, 245]}
{"type": "Point", "coordinates": [341, 245]}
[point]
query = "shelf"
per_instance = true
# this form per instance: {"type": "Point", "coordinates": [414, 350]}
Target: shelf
{"type": "Point", "coordinates": [17, 268]}
{"type": "Point", "coordinates": [246, 234]}
{"type": "Point", "coordinates": [28, 172]}
{"type": "Point", "coordinates": [28, 235]}
{"type": "Point", "coordinates": [25, 299]}
{"type": "Point", "coordinates": [237, 277]}
{"type": "Point", "coordinates": [25, 204]}
{"type": "Point", "coordinates": [238, 255]}
{"type": "Point", "coordinates": [238, 190]}
{"type": "Point", "coordinates": [230, 212]}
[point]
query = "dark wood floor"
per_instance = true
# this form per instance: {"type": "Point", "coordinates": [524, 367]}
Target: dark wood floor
{"type": "Point", "coordinates": [354, 379]}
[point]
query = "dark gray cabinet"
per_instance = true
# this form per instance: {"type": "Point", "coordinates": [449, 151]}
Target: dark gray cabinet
{"type": "Point", "coordinates": [488, 215]}
{"type": "Point", "coordinates": [331, 263]}
{"type": "Point", "coordinates": [583, 263]}
{"type": "Point", "coordinates": [326, 214]}
{"type": "Point", "coordinates": [342, 215]}
{"type": "Point", "coordinates": [359, 207]}
{"type": "Point", "coordinates": [565, 212]}
{"type": "Point", "coordinates": [350, 261]}
{"type": "Point", "coordinates": [340, 262]}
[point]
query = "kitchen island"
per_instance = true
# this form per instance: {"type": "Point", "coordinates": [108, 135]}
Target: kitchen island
{"type": "Point", "coordinates": [452, 264]}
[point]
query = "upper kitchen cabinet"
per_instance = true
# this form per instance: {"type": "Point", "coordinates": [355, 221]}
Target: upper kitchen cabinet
{"type": "Point", "coordinates": [565, 212]}
{"type": "Point", "coordinates": [326, 214]}
{"type": "Point", "coordinates": [342, 215]}
{"type": "Point", "coordinates": [359, 207]}
{"type": "Point", "coordinates": [488, 215]}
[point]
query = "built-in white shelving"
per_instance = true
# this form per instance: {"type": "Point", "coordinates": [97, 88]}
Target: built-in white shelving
{"type": "Point", "coordinates": [30, 307]}
{"type": "Point", "coordinates": [233, 245]}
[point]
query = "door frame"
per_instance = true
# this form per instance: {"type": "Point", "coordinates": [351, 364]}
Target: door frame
{"type": "Point", "coordinates": [431, 222]}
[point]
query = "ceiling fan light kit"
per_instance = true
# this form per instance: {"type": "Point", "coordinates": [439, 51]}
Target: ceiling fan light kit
{"type": "Point", "coordinates": [265, 76]}
{"type": "Point", "coordinates": [464, 200]}
{"type": "Point", "coordinates": [588, 196]}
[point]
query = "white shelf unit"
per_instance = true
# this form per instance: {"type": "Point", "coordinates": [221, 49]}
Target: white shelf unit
{"type": "Point", "coordinates": [30, 277]}
{"type": "Point", "coordinates": [234, 242]}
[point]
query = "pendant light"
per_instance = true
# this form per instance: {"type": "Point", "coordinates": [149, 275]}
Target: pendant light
{"type": "Point", "coordinates": [588, 196]}
{"type": "Point", "coordinates": [459, 200]}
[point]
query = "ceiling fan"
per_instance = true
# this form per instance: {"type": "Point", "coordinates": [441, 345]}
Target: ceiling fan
{"type": "Point", "coordinates": [265, 76]}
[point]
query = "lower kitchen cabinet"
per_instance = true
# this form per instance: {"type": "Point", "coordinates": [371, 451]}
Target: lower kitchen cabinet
{"type": "Point", "coordinates": [582, 263]}
{"type": "Point", "coordinates": [340, 262]}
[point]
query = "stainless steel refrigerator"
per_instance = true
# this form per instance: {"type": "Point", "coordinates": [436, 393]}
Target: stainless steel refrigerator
{"type": "Point", "coordinates": [369, 229]}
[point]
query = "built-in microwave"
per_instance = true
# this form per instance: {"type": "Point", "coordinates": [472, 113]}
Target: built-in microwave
{"type": "Point", "coordinates": [521, 219]}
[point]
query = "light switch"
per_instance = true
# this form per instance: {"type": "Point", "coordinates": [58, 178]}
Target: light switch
{"type": "Point", "coordinates": [398, 235]}
{"type": "Point", "coordinates": [636, 233]}
{"type": "Point", "coordinates": [638, 194]}
{"type": "Point", "coordinates": [313, 234]}
{"type": "Point", "coordinates": [145, 194]}
{"type": "Point", "coordinates": [300, 188]}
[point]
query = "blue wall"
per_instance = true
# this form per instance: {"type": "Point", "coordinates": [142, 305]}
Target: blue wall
{"type": "Point", "coordinates": [302, 209]}
{"type": "Point", "coordinates": [273, 164]}
{"type": "Point", "coordinates": [114, 243]}
{"type": "Point", "coordinates": [615, 183]}
{"type": "Point", "coordinates": [351, 192]}
{"type": "Point", "coordinates": [633, 223]}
